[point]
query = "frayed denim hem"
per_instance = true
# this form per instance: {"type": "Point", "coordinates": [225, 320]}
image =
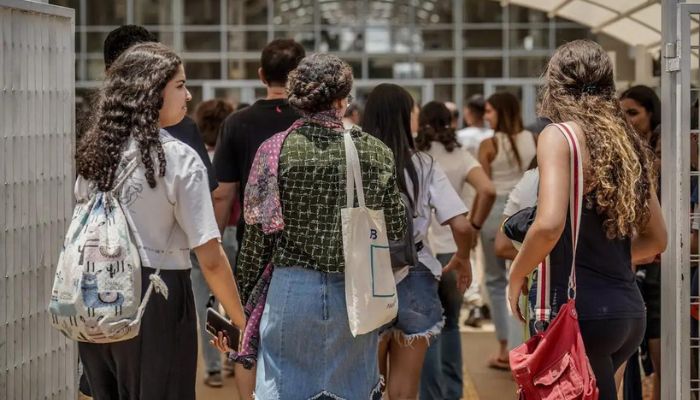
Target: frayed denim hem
{"type": "Point", "coordinates": [407, 340]}
{"type": "Point", "coordinates": [375, 394]}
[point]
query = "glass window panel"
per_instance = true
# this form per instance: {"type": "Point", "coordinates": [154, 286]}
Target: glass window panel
{"type": "Point", "coordinates": [473, 89]}
{"type": "Point", "coordinates": [334, 12]}
{"type": "Point", "coordinates": [95, 70]}
{"type": "Point", "coordinates": [341, 39]}
{"type": "Point", "coordinates": [203, 70]}
{"type": "Point", "coordinates": [395, 12]}
{"type": "Point", "coordinates": [167, 38]}
{"type": "Point", "coordinates": [202, 12]}
{"type": "Point", "coordinates": [153, 12]}
{"type": "Point", "coordinates": [438, 40]}
{"type": "Point", "coordinates": [240, 69]}
{"type": "Point", "coordinates": [443, 68]}
{"type": "Point", "coordinates": [527, 67]}
{"type": "Point", "coordinates": [305, 38]}
{"type": "Point", "coordinates": [525, 14]}
{"type": "Point", "coordinates": [95, 41]}
{"type": "Point", "coordinates": [434, 12]}
{"type": "Point", "coordinates": [482, 11]}
{"type": "Point", "coordinates": [482, 39]}
{"type": "Point", "coordinates": [246, 12]}
{"type": "Point", "coordinates": [232, 95]}
{"type": "Point", "coordinates": [196, 92]}
{"type": "Point", "coordinates": [202, 41]}
{"type": "Point", "coordinates": [293, 12]}
{"type": "Point", "coordinates": [106, 12]}
{"type": "Point", "coordinates": [529, 39]}
{"type": "Point", "coordinates": [74, 4]}
{"type": "Point", "coordinates": [387, 39]}
{"type": "Point", "coordinates": [356, 66]}
{"type": "Point", "coordinates": [483, 67]}
{"type": "Point", "coordinates": [567, 35]}
{"type": "Point", "coordinates": [247, 41]}
{"type": "Point", "coordinates": [444, 93]}
{"type": "Point", "coordinates": [383, 68]}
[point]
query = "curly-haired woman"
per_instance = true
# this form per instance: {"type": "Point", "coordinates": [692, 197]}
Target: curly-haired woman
{"type": "Point", "coordinates": [168, 200]}
{"type": "Point", "coordinates": [306, 347]}
{"type": "Point", "coordinates": [621, 220]}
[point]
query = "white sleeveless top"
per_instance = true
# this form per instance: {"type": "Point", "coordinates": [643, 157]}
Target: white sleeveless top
{"type": "Point", "coordinates": [505, 171]}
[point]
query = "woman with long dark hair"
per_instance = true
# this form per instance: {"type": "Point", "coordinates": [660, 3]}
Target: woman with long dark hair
{"type": "Point", "coordinates": [621, 220]}
{"type": "Point", "coordinates": [642, 109]}
{"type": "Point", "coordinates": [388, 117]}
{"type": "Point", "coordinates": [505, 157]}
{"type": "Point", "coordinates": [167, 198]}
{"type": "Point", "coordinates": [442, 370]}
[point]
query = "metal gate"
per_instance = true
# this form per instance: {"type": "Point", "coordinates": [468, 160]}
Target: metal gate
{"type": "Point", "coordinates": [37, 130]}
{"type": "Point", "coordinates": [680, 84]}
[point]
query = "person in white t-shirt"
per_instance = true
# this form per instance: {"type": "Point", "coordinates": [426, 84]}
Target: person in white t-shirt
{"type": "Point", "coordinates": [442, 369]}
{"type": "Point", "coordinates": [168, 200]}
{"type": "Point", "coordinates": [477, 128]}
{"type": "Point", "coordinates": [388, 117]}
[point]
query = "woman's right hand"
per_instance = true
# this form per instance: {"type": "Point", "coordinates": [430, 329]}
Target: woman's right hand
{"type": "Point", "coordinates": [221, 343]}
{"type": "Point", "coordinates": [463, 268]}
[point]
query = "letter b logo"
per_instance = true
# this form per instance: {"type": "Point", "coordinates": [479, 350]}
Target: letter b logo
{"type": "Point", "coordinates": [373, 234]}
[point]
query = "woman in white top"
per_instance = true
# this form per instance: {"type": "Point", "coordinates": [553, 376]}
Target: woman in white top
{"type": "Point", "coordinates": [388, 117]}
{"type": "Point", "coordinates": [504, 157]}
{"type": "Point", "coordinates": [442, 369]}
{"type": "Point", "coordinates": [167, 198]}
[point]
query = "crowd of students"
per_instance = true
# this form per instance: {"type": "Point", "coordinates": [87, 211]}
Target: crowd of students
{"type": "Point", "coordinates": [267, 182]}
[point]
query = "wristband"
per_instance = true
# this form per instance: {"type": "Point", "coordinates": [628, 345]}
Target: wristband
{"type": "Point", "coordinates": [475, 226]}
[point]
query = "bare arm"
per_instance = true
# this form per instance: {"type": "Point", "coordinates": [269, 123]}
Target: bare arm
{"type": "Point", "coordinates": [462, 233]}
{"type": "Point", "coordinates": [485, 195]}
{"type": "Point", "coordinates": [653, 238]}
{"type": "Point", "coordinates": [217, 273]}
{"type": "Point", "coordinates": [487, 152]}
{"type": "Point", "coordinates": [223, 196]}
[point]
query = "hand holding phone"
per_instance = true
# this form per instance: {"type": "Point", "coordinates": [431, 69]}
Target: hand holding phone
{"type": "Point", "coordinates": [216, 324]}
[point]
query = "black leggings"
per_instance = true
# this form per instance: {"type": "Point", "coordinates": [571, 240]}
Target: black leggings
{"type": "Point", "coordinates": [609, 343]}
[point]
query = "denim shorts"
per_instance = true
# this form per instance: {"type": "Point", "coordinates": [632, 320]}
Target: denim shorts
{"type": "Point", "coordinates": [420, 311]}
{"type": "Point", "coordinates": [306, 348]}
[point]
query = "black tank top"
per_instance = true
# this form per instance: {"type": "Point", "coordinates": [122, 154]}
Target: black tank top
{"type": "Point", "coordinates": [606, 287]}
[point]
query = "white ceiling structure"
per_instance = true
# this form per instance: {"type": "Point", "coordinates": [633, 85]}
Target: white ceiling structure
{"type": "Point", "coordinates": [635, 22]}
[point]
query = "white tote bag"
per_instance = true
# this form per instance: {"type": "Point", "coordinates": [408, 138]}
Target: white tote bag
{"type": "Point", "coordinates": [370, 289]}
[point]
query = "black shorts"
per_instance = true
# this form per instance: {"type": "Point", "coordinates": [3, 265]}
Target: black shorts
{"type": "Point", "coordinates": [161, 362]}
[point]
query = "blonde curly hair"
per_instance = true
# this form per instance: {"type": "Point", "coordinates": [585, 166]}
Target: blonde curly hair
{"type": "Point", "coordinates": [579, 87]}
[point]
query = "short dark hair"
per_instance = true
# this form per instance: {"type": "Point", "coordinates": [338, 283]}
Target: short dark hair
{"type": "Point", "coordinates": [477, 105]}
{"type": "Point", "coordinates": [122, 38]}
{"type": "Point", "coordinates": [279, 58]}
{"type": "Point", "coordinates": [209, 115]}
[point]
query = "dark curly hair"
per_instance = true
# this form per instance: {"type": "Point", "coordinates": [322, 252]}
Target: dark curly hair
{"type": "Point", "coordinates": [128, 105]}
{"type": "Point", "coordinates": [317, 82]}
{"type": "Point", "coordinates": [435, 126]}
{"type": "Point", "coordinates": [209, 115]}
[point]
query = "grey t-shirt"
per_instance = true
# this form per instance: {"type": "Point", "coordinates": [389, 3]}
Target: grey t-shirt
{"type": "Point", "coordinates": [179, 206]}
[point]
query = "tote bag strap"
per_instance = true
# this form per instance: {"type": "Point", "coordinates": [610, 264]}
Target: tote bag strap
{"type": "Point", "coordinates": [353, 173]}
{"type": "Point", "coordinates": [542, 303]}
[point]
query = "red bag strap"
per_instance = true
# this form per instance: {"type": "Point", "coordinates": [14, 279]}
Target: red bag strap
{"type": "Point", "coordinates": [542, 305]}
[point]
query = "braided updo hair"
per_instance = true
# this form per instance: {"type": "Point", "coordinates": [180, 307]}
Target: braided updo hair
{"type": "Point", "coordinates": [128, 105]}
{"type": "Point", "coordinates": [318, 81]}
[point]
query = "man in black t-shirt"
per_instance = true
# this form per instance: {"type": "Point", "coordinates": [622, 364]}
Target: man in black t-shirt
{"type": "Point", "coordinates": [244, 131]}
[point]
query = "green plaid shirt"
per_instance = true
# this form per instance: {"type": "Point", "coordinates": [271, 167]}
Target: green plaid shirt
{"type": "Point", "coordinates": [312, 192]}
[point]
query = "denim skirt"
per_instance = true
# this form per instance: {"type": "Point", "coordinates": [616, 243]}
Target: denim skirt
{"type": "Point", "coordinates": [306, 348]}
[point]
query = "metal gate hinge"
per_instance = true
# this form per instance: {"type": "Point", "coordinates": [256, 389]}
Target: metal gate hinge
{"type": "Point", "coordinates": [671, 56]}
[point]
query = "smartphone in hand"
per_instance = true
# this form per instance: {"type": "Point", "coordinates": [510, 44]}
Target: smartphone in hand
{"type": "Point", "coordinates": [217, 323]}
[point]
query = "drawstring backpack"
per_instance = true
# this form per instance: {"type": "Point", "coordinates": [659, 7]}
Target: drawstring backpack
{"type": "Point", "coordinates": [553, 363]}
{"type": "Point", "coordinates": [96, 295]}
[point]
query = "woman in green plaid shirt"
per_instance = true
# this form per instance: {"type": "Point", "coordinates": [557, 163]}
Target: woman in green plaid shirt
{"type": "Point", "coordinates": [292, 215]}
